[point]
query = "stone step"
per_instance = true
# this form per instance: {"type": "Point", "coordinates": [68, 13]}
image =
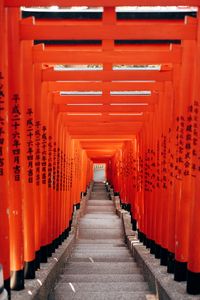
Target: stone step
{"type": "Point", "coordinates": [106, 247]}
{"type": "Point", "coordinates": [118, 251]}
{"type": "Point", "coordinates": [102, 287]}
{"type": "Point", "coordinates": [100, 203]}
{"type": "Point", "coordinates": [100, 241]}
{"type": "Point", "coordinates": [99, 189]}
{"type": "Point", "coordinates": [99, 212]}
{"type": "Point", "coordinates": [99, 197]}
{"type": "Point", "coordinates": [100, 216]}
{"type": "Point", "coordinates": [101, 268]}
{"type": "Point", "coordinates": [97, 209]}
{"type": "Point", "coordinates": [102, 278]}
{"type": "Point", "coordinates": [100, 223]}
{"type": "Point", "coordinates": [100, 233]}
{"type": "Point", "coordinates": [107, 258]}
{"type": "Point", "coordinates": [61, 295]}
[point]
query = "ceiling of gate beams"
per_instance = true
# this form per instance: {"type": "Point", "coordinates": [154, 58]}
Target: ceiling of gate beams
{"type": "Point", "coordinates": [107, 69]}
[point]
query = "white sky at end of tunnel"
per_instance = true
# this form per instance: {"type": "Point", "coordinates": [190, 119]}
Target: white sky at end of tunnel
{"type": "Point", "coordinates": [55, 8]}
{"type": "Point", "coordinates": [122, 67]}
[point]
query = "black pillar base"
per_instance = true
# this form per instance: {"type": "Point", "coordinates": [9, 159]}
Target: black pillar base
{"type": "Point", "coordinates": [193, 283]}
{"type": "Point", "coordinates": [147, 243]}
{"type": "Point", "coordinates": [17, 280]}
{"type": "Point", "coordinates": [37, 259]}
{"type": "Point", "coordinates": [55, 246]}
{"type": "Point", "coordinates": [171, 263]}
{"type": "Point", "coordinates": [144, 239]}
{"type": "Point", "coordinates": [180, 271]}
{"type": "Point", "coordinates": [7, 287]}
{"type": "Point", "coordinates": [29, 269]}
{"type": "Point", "coordinates": [63, 236]}
{"type": "Point", "coordinates": [152, 246]}
{"type": "Point", "coordinates": [140, 236]}
{"type": "Point", "coordinates": [134, 224]}
{"type": "Point", "coordinates": [60, 240]}
{"type": "Point", "coordinates": [44, 253]}
{"type": "Point", "coordinates": [50, 249]}
{"type": "Point", "coordinates": [163, 256]}
{"type": "Point", "coordinates": [157, 251]}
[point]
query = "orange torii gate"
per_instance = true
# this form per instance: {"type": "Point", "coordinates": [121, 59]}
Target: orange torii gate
{"type": "Point", "coordinates": [171, 146]}
{"type": "Point", "coordinates": [104, 3]}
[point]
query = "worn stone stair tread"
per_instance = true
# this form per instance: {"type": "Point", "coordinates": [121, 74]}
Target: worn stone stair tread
{"type": "Point", "coordinates": [100, 235]}
{"type": "Point", "coordinates": [100, 246]}
{"type": "Point", "coordinates": [104, 268]}
{"type": "Point", "coordinates": [100, 203]}
{"type": "Point", "coordinates": [101, 216]}
{"type": "Point", "coordinates": [100, 222]}
{"type": "Point", "coordinates": [102, 259]}
{"type": "Point", "coordinates": [102, 252]}
{"type": "Point", "coordinates": [103, 287]}
{"type": "Point", "coordinates": [102, 278]}
{"type": "Point", "coordinates": [101, 241]}
{"type": "Point", "coordinates": [99, 212]}
{"type": "Point", "coordinates": [103, 226]}
{"type": "Point", "coordinates": [101, 296]}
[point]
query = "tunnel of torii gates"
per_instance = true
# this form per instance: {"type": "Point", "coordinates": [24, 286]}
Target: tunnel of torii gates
{"type": "Point", "coordinates": [55, 124]}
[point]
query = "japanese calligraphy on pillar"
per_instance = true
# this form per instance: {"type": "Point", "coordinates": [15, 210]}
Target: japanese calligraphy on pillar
{"type": "Point", "coordinates": [164, 162]}
{"type": "Point", "coordinates": [54, 165]}
{"type": "Point", "coordinates": [158, 164]}
{"type": "Point", "coordinates": [37, 152]}
{"type": "Point", "coordinates": [58, 170]}
{"type": "Point", "coordinates": [188, 141]}
{"type": "Point", "coordinates": [50, 162]}
{"type": "Point", "coordinates": [141, 174]}
{"type": "Point", "coordinates": [30, 141]}
{"type": "Point", "coordinates": [16, 137]}
{"type": "Point", "coordinates": [44, 155]}
{"type": "Point", "coordinates": [180, 128]}
{"type": "Point", "coordinates": [195, 138]}
{"type": "Point", "coordinates": [147, 171]}
{"type": "Point", "coordinates": [2, 125]}
{"type": "Point", "coordinates": [153, 169]}
{"type": "Point", "coordinates": [170, 157]}
{"type": "Point", "coordinates": [61, 171]}
{"type": "Point", "coordinates": [65, 175]}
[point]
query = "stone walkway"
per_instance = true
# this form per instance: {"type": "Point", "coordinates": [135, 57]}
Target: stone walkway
{"type": "Point", "coordinates": [101, 267]}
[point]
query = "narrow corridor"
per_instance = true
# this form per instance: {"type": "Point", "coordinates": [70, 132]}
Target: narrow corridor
{"type": "Point", "coordinates": [98, 90]}
{"type": "Point", "coordinates": [101, 266]}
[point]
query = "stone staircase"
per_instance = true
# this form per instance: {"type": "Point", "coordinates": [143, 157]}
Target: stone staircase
{"type": "Point", "coordinates": [101, 267]}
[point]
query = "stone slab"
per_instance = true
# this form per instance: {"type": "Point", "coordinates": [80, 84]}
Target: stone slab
{"type": "Point", "coordinates": [104, 296]}
{"type": "Point", "coordinates": [102, 278]}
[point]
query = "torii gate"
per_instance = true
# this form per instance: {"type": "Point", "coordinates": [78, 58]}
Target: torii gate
{"type": "Point", "coordinates": [168, 82]}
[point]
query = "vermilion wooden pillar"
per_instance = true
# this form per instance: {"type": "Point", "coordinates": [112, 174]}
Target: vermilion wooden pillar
{"type": "Point", "coordinates": [193, 267]}
{"type": "Point", "coordinates": [183, 180]}
{"type": "Point", "coordinates": [28, 171]}
{"type": "Point", "coordinates": [4, 167]}
{"type": "Point", "coordinates": [15, 151]}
